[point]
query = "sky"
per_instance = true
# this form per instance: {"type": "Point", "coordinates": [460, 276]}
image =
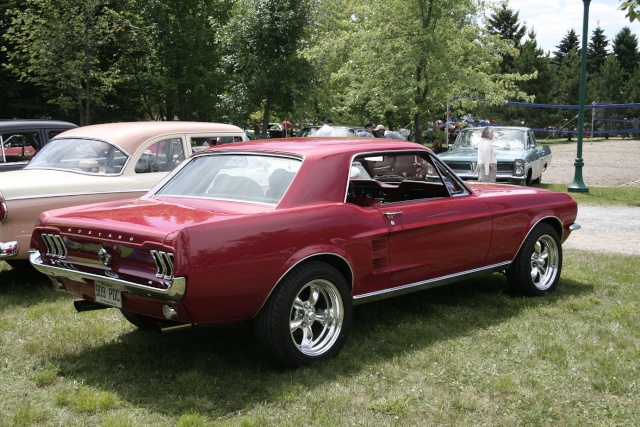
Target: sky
{"type": "Point", "coordinates": [552, 19]}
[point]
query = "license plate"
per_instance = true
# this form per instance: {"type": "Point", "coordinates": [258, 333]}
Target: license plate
{"type": "Point", "coordinates": [107, 295]}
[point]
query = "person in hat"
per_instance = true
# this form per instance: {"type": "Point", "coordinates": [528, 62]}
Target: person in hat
{"type": "Point", "coordinates": [378, 132]}
{"type": "Point", "coordinates": [326, 129]}
{"type": "Point", "coordinates": [367, 132]}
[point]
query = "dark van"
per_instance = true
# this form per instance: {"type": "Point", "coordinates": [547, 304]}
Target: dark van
{"type": "Point", "coordinates": [20, 140]}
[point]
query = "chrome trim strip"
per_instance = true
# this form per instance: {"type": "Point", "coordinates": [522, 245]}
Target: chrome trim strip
{"type": "Point", "coordinates": [174, 293]}
{"type": "Point", "coordinates": [87, 193]}
{"type": "Point", "coordinates": [427, 284]}
{"type": "Point", "coordinates": [574, 227]}
{"type": "Point", "coordinates": [9, 249]}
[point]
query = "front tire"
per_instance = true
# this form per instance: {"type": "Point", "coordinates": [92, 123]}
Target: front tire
{"type": "Point", "coordinates": [308, 316]}
{"type": "Point", "coordinates": [536, 269]}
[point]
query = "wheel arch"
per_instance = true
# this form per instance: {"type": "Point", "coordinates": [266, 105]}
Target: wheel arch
{"type": "Point", "coordinates": [550, 220]}
{"type": "Point", "coordinates": [335, 260]}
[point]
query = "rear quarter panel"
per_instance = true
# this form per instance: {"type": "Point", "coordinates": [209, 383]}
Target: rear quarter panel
{"type": "Point", "coordinates": [234, 265]}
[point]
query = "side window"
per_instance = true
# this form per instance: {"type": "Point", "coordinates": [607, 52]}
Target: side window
{"type": "Point", "coordinates": [400, 177]}
{"type": "Point", "coordinates": [162, 156]}
{"type": "Point", "coordinates": [18, 146]}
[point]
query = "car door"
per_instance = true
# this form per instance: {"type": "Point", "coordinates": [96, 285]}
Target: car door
{"type": "Point", "coordinates": [435, 237]}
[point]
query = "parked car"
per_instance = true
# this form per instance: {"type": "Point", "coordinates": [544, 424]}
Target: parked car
{"type": "Point", "coordinates": [310, 131]}
{"type": "Point", "coordinates": [261, 231]}
{"type": "Point", "coordinates": [90, 164]}
{"type": "Point", "coordinates": [20, 140]}
{"type": "Point", "coordinates": [521, 159]}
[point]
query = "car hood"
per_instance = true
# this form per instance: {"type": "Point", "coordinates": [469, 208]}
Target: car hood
{"type": "Point", "coordinates": [44, 182]}
{"type": "Point", "coordinates": [148, 218]}
{"type": "Point", "coordinates": [471, 154]}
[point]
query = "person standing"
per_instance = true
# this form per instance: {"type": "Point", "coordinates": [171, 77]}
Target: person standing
{"type": "Point", "coordinates": [367, 132]}
{"type": "Point", "coordinates": [487, 162]}
{"type": "Point", "coordinates": [378, 132]}
{"type": "Point", "coordinates": [326, 129]}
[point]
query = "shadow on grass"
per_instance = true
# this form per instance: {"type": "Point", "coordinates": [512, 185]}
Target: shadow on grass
{"type": "Point", "coordinates": [218, 370]}
{"type": "Point", "coordinates": [25, 287]}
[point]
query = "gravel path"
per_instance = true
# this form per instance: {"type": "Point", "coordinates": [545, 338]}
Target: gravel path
{"type": "Point", "coordinates": [614, 163]}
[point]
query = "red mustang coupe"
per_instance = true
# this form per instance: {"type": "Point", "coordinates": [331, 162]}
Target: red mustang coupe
{"type": "Point", "coordinates": [292, 233]}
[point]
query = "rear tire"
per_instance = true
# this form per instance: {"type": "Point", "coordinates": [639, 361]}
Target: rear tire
{"type": "Point", "coordinates": [145, 323]}
{"type": "Point", "coordinates": [307, 318]}
{"type": "Point", "coordinates": [536, 269]}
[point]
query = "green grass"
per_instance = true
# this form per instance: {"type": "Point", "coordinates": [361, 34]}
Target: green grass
{"type": "Point", "coordinates": [601, 196]}
{"type": "Point", "coordinates": [466, 354]}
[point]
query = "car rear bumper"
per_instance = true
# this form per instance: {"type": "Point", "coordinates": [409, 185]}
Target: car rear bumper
{"type": "Point", "coordinates": [9, 249]}
{"type": "Point", "coordinates": [174, 292]}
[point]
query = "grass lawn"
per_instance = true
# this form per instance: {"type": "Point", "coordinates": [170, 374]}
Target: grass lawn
{"type": "Point", "coordinates": [462, 355]}
{"type": "Point", "coordinates": [466, 354]}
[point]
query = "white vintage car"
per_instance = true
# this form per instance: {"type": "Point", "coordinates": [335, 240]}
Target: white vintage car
{"type": "Point", "coordinates": [521, 159]}
{"type": "Point", "coordinates": [91, 164]}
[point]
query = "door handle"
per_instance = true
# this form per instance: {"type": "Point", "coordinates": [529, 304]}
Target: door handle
{"type": "Point", "coordinates": [390, 215]}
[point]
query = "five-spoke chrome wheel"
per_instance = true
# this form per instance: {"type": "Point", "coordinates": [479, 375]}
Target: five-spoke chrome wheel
{"type": "Point", "coordinates": [536, 269]}
{"type": "Point", "coordinates": [316, 317]}
{"type": "Point", "coordinates": [307, 317]}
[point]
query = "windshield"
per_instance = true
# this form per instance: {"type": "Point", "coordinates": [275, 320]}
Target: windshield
{"type": "Point", "coordinates": [237, 177]}
{"type": "Point", "coordinates": [506, 139]}
{"type": "Point", "coordinates": [80, 155]}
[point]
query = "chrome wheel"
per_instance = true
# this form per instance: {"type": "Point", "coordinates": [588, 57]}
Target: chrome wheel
{"type": "Point", "coordinates": [544, 262]}
{"type": "Point", "coordinates": [316, 317]}
{"type": "Point", "coordinates": [307, 318]}
{"type": "Point", "coordinates": [536, 268]}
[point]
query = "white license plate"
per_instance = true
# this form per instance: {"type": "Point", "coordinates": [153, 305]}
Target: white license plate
{"type": "Point", "coordinates": [107, 295]}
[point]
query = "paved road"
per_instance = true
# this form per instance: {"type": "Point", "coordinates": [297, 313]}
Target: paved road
{"type": "Point", "coordinates": [607, 229]}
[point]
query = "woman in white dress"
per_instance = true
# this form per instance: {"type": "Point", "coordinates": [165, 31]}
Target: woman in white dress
{"type": "Point", "coordinates": [487, 162]}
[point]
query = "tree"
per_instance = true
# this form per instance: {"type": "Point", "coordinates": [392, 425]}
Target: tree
{"type": "Point", "coordinates": [625, 49]}
{"type": "Point", "coordinates": [597, 51]}
{"type": "Point", "coordinates": [504, 23]}
{"type": "Point", "coordinates": [532, 59]}
{"type": "Point", "coordinates": [263, 39]}
{"type": "Point", "coordinates": [568, 44]}
{"type": "Point", "coordinates": [58, 47]}
{"type": "Point", "coordinates": [632, 7]}
{"type": "Point", "coordinates": [184, 59]}
{"type": "Point", "coordinates": [402, 60]}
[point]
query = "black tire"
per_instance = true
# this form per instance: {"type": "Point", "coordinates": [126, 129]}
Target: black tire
{"type": "Point", "coordinates": [536, 269]}
{"type": "Point", "coordinates": [307, 318]}
{"type": "Point", "coordinates": [145, 323]}
{"type": "Point", "coordinates": [538, 180]}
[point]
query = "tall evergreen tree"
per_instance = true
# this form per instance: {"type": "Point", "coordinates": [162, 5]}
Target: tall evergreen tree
{"type": "Point", "coordinates": [533, 59]}
{"type": "Point", "coordinates": [597, 51]}
{"type": "Point", "coordinates": [568, 44]}
{"type": "Point", "coordinates": [504, 23]}
{"type": "Point", "coordinates": [625, 49]}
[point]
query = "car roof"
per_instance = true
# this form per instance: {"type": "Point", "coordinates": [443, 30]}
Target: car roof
{"type": "Point", "coordinates": [522, 128]}
{"type": "Point", "coordinates": [8, 124]}
{"type": "Point", "coordinates": [129, 135]}
{"type": "Point", "coordinates": [319, 147]}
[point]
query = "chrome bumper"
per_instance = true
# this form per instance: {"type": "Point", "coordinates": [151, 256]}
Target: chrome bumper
{"type": "Point", "coordinates": [9, 249]}
{"type": "Point", "coordinates": [174, 293]}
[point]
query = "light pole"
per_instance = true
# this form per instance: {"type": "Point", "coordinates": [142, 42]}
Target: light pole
{"type": "Point", "coordinates": [578, 184]}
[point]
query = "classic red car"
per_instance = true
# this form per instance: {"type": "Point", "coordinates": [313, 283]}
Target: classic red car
{"type": "Point", "coordinates": [292, 233]}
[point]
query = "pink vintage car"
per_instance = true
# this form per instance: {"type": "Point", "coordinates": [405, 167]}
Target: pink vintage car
{"type": "Point", "coordinates": [292, 233]}
{"type": "Point", "coordinates": [94, 164]}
